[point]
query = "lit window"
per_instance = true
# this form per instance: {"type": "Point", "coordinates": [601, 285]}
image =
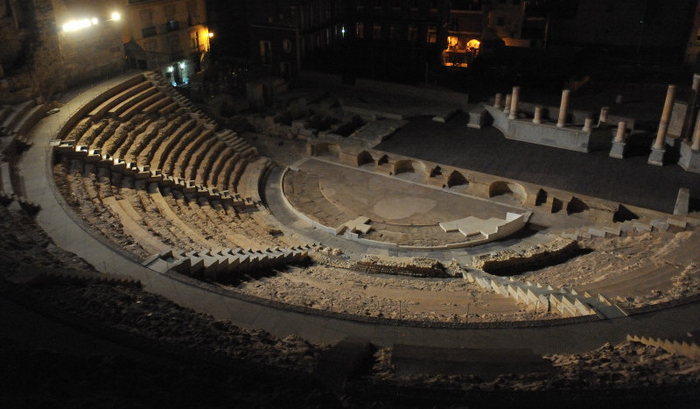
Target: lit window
{"type": "Point", "coordinates": [432, 35]}
{"type": "Point", "coordinates": [452, 41]}
{"type": "Point", "coordinates": [359, 30]}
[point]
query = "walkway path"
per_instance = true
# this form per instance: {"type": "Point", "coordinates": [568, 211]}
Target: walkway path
{"type": "Point", "coordinates": [70, 233]}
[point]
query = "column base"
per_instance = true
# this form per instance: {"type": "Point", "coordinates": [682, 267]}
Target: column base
{"type": "Point", "coordinates": [618, 150]}
{"type": "Point", "coordinates": [690, 159]}
{"type": "Point", "coordinates": [656, 157]}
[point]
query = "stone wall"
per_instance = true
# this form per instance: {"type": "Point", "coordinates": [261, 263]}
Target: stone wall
{"type": "Point", "coordinates": [38, 59]}
{"type": "Point", "coordinates": [97, 52]}
{"type": "Point", "coordinates": [13, 43]}
{"type": "Point", "coordinates": [46, 63]}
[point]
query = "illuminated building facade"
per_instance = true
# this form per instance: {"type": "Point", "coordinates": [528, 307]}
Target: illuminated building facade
{"type": "Point", "coordinates": [168, 35]}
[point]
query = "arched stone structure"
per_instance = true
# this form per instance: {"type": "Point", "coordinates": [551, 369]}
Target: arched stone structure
{"type": "Point", "coordinates": [456, 179]}
{"type": "Point", "coordinates": [364, 158]}
{"type": "Point", "coordinates": [502, 187]}
{"type": "Point", "coordinates": [410, 166]}
{"type": "Point", "coordinates": [403, 166]}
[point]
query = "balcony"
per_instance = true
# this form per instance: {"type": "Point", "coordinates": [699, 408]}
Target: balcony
{"type": "Point", "coordinates": [149, 32]}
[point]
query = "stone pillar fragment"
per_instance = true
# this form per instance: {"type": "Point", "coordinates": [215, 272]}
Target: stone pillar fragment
{"type": "Point", "coordinates": [514, 103]}
{"type": "Point", "coordinates": [538, 115]}
{"type": "Point", "coordinates": [621, 129]}
{"type": "Point", "coordinates": [506, 105]}
{"type": "Point", "coordinates": [603, 117]}
{"type": "Point", "coordinates": [498, 103]}
{"type": "Point", "coordinates": [686, 133]}
{"type": "Point", "coordinates": [563, 108]}
{"type": "Point", "coordinates": [657, 150]}
{"type": "Point", "coordinates": [619, 146]}
{"type": "Point", "coordinates": [587, 124]}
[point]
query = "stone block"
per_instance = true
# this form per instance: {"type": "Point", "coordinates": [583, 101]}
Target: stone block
{"type": "Point", "coordinates": [659, 225]}
{"type": "Point", "coordinates": [641, 226]}
{"type": "Point", "coordinates": [596, 232]}
{"type": "Point", "coordinates": [656, 157]}
{"type": "Point", "coordinates": [614, 231]}
{"type": "Point", "coordinates": [690, 159]}
{"type": "Point", "coordinates": [682, 202]}
{"type": "Point", "coordinates": [618, 150]}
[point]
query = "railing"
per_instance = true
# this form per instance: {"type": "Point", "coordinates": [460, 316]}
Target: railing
{"type": "Point", "coordinates": [172, 25]}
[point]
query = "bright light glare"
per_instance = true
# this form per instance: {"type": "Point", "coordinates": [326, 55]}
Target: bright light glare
{"type": "Point", "coordinates": [77, 25]}
{"type": "Point", "coordinates": [116, 16]}
{"type": "Point", "coordinates": [211, 35]}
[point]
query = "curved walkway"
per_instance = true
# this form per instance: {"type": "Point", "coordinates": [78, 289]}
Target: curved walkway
{"type": "Point", "coordinates": [68, 232]}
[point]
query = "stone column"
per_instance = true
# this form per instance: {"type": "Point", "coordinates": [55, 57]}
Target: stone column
{"type": "Point", "coordinates": [690, 154]}
{"type": "Point", "coordinates": [665, 118]}
{"type": "Point", "coordinates": [696, 136]}
{"type": "Point", "coordinates": [498, 103]}
{"type": "Point", "coordinates": [563, 108]}
{"type": "Point", "coordinates": [506, 106]}
{"type": "Point", "coordinates": [514, 103]}
{"type": "Point", "coordinates": [619, 145]}
{"type": "Point", "coordinates": [603, 117]}
{"type": "Point", "coordinates": [690, 109]}
{"type": "Point", "coordinates": [538, 115]}
{"type": "Point", "coordinates": [621, 129]}
{"type": "Point", "coordinates": [587, 124]}
{"type": "Point", "coordinates": [657, 150]}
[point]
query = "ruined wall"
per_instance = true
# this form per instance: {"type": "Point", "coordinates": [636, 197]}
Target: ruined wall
{"type": "Point", "coordinates": [14, 36]}
{"type": "Point", "coordinates": [38, 59]}
{"type": "Point", "coordinates": [46, 54]}
{"type": "Point", "coordinates": [94, 53]}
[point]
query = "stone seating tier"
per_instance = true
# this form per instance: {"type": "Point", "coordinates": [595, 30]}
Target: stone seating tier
{"type": "Point", "coordinates": [102, 109]}
{"type": "Point", "coordinates": [226, 264]}
{"type": "Point", "coordinates": [120, 108]}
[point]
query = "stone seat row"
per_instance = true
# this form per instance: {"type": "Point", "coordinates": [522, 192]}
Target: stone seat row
{"type": "Point", "coordinates": [210, 152]}
{"type": "Point", "coordinates": [567, 303]}
{"type": "Point", "coordinates": [142, 97]}
{"type": "Point", "coordinates": [136, 171]}
{"type": "Point", "coordinates": [153, 220]}
{"type": "Point", "coordinates": [689, 348]}
{"type": "Point", "coordinates": [157, 79]}
{"type": "Point", "coordinates": [226, 264]}
{"type": "Point", "coordinates": [16, 121]}
{"type": "Point", "coordinates": [162, 151]}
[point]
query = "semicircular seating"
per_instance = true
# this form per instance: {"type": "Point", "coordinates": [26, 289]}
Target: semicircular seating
{"type": "Point", "coordinates": [157, 177]}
